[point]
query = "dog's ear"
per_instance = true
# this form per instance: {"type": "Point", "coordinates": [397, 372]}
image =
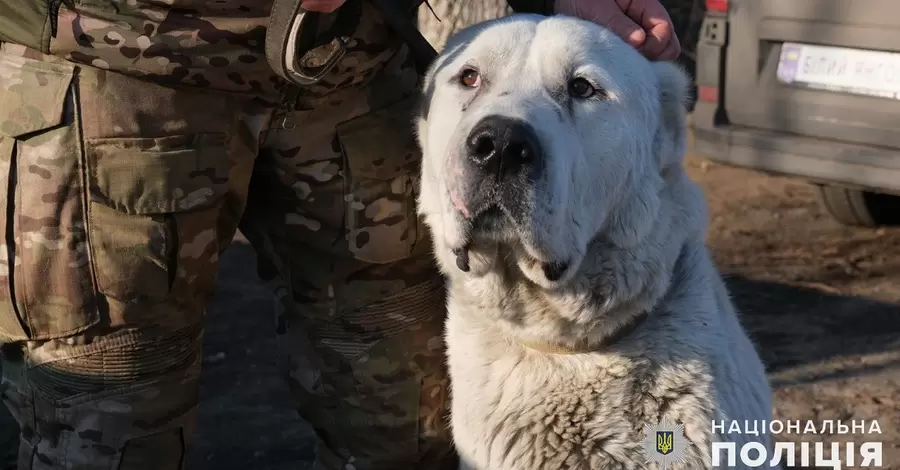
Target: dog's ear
{"type": "Point", "coordinates": [670, 141]}
{"type": "Point", "coordinates": [635, 219]}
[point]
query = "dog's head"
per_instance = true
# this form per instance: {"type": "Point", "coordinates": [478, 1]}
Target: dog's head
{"type": "Point", "coordinates": [539, 136]}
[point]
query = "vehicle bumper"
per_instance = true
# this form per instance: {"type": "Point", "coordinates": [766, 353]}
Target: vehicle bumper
{"type": "Point", "coordinates": [819, 160]}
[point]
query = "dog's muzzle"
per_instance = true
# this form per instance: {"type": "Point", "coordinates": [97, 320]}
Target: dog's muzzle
{"type": "Point", "coordinates": [502, 158]}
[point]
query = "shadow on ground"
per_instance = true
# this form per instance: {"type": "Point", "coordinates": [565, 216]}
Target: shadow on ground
{"type": "Point", "coordinates": [796, 327]}
{"type": "Point", "coordinates": [246, 416]}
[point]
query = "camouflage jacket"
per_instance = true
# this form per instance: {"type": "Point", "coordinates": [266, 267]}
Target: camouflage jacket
{"type": "Point", "coordinates": [211, 44]}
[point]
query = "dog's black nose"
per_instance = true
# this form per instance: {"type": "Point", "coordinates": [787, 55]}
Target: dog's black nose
{"type": "Point", "coordinates": [502, 145]}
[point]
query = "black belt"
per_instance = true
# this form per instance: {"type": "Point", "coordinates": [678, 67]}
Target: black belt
{"type": "Point", "coordinates": [294, 54]}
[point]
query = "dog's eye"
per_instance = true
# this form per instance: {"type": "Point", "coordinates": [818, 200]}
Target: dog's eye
{"type": "Point", "coordinates": [581, 88]}
{"type": "Point", "coordinates": [470, 78]}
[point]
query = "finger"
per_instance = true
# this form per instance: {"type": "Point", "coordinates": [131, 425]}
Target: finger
{"type": "Point", "coordinates": [658, 24]}
{"type": "Point", "coordinates": [658, 38]}
{"type": "Point", "coordinates": [626, 28]}
{"type": "Point", "coordinates": [672, 50]}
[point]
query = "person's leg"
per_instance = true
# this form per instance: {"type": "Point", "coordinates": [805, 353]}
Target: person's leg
{"type": "Point", "coordinates": [115, 204]}
{"type": "Point", "coordinates": [9, 437]}
{"type": "Point", "coordinates": [361, 304]}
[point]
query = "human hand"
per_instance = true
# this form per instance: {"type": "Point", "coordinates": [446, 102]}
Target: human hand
{"type": "Point", "coordinates": [321, 6]}
{"type": "Point", "coordinates": [644, 24]}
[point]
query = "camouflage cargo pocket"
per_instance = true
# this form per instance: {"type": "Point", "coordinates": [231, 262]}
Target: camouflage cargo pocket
{"type": "Point", "coordinates": [153, 213]}
{"type": "Point", "coordinates": [26, 23]}
{"type": "Point", "coordinates": [46, 289]}
{"type": "Point", "coordinates": [381, 164]}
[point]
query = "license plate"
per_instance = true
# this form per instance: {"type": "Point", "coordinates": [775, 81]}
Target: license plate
{"type": "Point", "coordinates": [840, 69]}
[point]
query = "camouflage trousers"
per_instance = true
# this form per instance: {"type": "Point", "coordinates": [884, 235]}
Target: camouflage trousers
{"type": "Point", "coordinates": [120, 196]}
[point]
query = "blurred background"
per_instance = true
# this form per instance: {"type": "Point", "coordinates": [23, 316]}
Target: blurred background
{"type": "Point", "coordinates": [794, 142]}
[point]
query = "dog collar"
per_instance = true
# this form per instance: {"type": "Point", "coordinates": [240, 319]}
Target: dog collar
{"type": "Point", "coordinates": [583, 347]}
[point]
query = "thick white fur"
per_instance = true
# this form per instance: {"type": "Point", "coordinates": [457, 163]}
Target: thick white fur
{"type": "Point", "coordinates": [614, 200]}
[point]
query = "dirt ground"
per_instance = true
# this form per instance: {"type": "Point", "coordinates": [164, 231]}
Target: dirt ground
{"type": "Point", "coordinates": [821, 300]}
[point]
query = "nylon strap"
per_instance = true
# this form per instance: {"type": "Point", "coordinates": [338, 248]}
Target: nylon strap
{"type": "Point", "coordinates": [278, 34]}
{"type": "Point", "coordinates": [279, 43]}
{"type": "Point", "coordinates": [422, 50]}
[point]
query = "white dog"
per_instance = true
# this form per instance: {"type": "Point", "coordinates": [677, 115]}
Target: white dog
{"type": "Point", "coordinates": [583, 303]}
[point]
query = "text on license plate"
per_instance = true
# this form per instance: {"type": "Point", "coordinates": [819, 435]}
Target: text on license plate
{"type": "Point", "coordinates": [841, 69]}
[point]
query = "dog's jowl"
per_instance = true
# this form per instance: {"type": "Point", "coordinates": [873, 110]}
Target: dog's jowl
{"type": "Point", "coordinates": [583, 303]}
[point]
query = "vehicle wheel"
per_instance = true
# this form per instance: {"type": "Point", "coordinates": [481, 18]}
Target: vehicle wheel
{"type": "Point", "coordinates": [859, 208]}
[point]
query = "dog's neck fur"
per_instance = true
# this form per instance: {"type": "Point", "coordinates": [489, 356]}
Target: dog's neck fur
{"type": "Point", "coordinates": [584, 346]}
{"type": "Point", "coordinates": [613, 290]}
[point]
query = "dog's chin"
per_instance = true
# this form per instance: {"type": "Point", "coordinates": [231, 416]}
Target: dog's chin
{"type": "Point", "coordinates": [495, 242]}
{"type": "Point", "coordinates": [546, 274]}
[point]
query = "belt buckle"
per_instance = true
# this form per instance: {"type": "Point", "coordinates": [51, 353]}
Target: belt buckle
{"type": "Point", "coordinates": [301, 73]}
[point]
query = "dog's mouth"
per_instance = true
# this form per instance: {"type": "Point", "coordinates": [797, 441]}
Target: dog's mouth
{"type": "Point", "coordinates": [462, 258]}
{"type": "Point", "coordinates": [490, 222]}
{"type": "Point", "coordinates": [494, 226]}
{"type": "Point", "coordinates": [486, 226]}
{"type": "Point", "coordinates": [553, 271]}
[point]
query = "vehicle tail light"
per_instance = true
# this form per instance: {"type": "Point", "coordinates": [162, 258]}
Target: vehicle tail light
{"type": "Point", "coordinates": [718, 6]}
{"type": "Point", "coordinates": [708, 94]}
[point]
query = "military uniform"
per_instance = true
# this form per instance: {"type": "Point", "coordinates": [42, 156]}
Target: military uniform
{"type": "Point", "coordinates": [135, 138]}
